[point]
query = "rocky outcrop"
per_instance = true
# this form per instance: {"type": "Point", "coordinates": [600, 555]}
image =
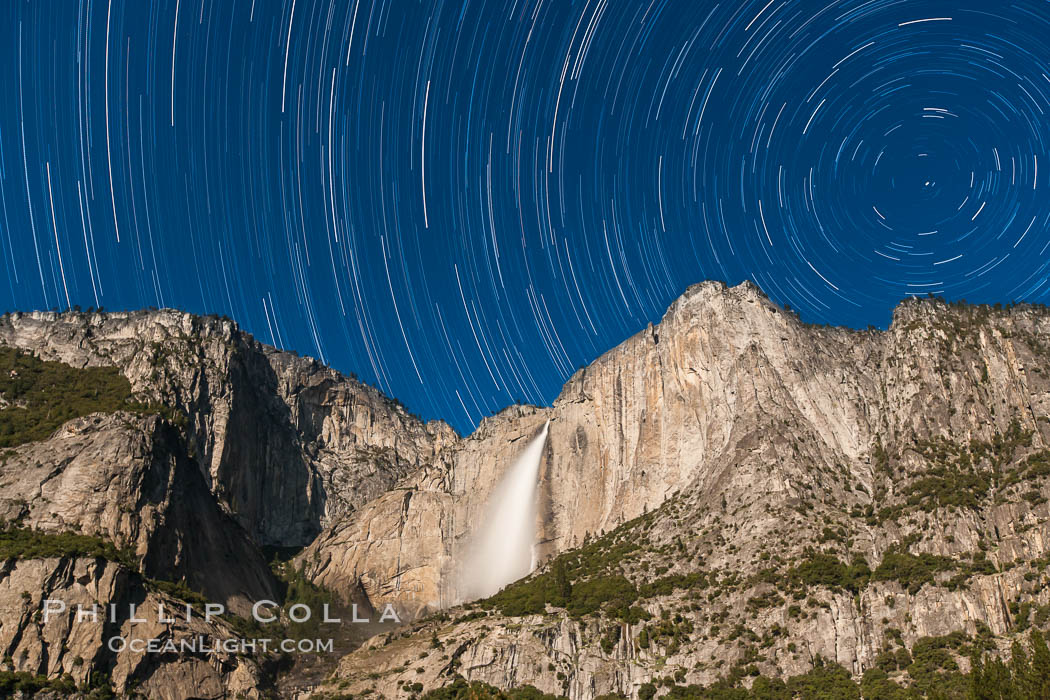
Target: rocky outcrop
{"type": "Point", "coordinates": [562, 656]}
{"type": "Point", "coordinates": [729, 445]}
{"type": "Point", "coordinates": [771, 433]}
{"type": "Point", "coordinates": [285, 444]}
{"type": "Point", "coordinates": [129, 480]}
{"type": "Point", "coordinates": [672, 407]}
{"type": "Point", "coordinates": [68, 642]}
{"type": "Point", "coordinates": [126, 479]}
{"type": "Point", "coordinates": [246, 447]}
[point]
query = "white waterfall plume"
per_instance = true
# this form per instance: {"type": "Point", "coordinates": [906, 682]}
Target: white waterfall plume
{"type": "Point", "coordinates": [502, 549]}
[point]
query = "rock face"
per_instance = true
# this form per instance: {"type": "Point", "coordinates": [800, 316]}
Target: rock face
{"type": "Point", "coordinates": [745, 435]}
{"type": "Point", "coordinates": [127, 479]}
{"type": "Point", "coordinates": [765, 492]}
{"type": "Point", "coordinates": [285, 444]}
{"type": "Point", "coordinates": [62, 643]}
{"type": "Point", "coordinates": [725, 373]}
{"type": "Point", "coordinates": [261, 448]}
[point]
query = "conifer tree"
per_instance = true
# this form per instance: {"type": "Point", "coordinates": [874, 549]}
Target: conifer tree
{"type": "Point", "coordinates": [999, 682]}
{"type": "Point", "coordinates": [1039, 670]}
{"type": "Point", "coordinates": [1020, 672]}
{"type": "Point", "coordinates": [562, 584]}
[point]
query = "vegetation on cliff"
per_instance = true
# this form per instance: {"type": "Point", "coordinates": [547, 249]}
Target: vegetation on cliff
{"type": "Point", "coordinates": [461, 689]}
{"type": "Point", "coordinates": [37, 396]}
{"type": "Point", "coordinates": [930, 671]}
{"type": "Point", "coordinates": [24, 543]}
{"type": "Point", "coordinates": [582, 581]}
{"type": "Point", "coordinates": [26, 685]}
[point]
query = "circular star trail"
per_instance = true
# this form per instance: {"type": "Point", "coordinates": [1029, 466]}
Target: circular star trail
{"type": "Point", "coordinates": [462, 202]}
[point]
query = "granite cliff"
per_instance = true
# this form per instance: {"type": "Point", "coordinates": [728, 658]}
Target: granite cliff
{"type": "Point", "coordinates": [779, 493]}
{"type": "Point", "coordinates": [240, 450]}
{"type": "Point", "coordinates": [283, 442]}
{"type": "Point", "coordinates": [728, 494]}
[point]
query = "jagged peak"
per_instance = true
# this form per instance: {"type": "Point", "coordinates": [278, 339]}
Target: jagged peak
{"type": "Point", "coordinates": [909, 310]}
{"type": "Point", "coordinates": [166, 317]}
{"type": "Point", "coordinates": [714, 296]}
{"type": "Point", "coordinates": [930, 309]}
{"type": "Point", "coordinates": [746, 290]}
{"type": "Point", "coordinates": [175, 322]}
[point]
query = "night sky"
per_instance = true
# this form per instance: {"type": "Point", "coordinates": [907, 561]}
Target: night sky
{"type": "Point", "coordinates": [464, 202]}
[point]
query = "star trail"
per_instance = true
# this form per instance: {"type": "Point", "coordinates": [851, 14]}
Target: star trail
{"type": "Point", "coordinates": [463, 202]}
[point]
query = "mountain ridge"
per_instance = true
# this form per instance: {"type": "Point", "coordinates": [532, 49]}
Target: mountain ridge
{"type": "Point", "coordinates": [729, 412]}
{"type": "Point", "coordinates": [746, 287]}
{"type": "Point", "coordinates": [782, 409]}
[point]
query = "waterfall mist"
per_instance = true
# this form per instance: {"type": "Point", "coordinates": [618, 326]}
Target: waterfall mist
{"type": "Point", "coordinates": [502, 548]}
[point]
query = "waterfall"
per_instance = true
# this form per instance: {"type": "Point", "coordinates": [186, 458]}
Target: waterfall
{"type": "Point", "coordinates": [503, 547]}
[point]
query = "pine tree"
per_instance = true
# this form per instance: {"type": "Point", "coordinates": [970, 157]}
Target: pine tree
{"type": "Point", "coordinates": [978, 683]}
{"type": "Point", "coordinates": [1020, 670]}
{"type": "Point", "coordinates": [999, 681]}
{"type": "Point", "coordinates": [562, 584]}
{"type": "Point", "coordinates": [1039, 670]}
